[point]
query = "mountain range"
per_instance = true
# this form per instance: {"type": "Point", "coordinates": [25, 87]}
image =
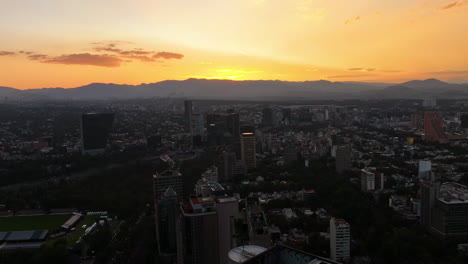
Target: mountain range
{"type": "Point", "coordinates": [245, 90]}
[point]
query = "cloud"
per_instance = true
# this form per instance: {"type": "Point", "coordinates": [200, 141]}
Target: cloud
{"type": "Point", "coordinates": [140, 58]}
{"type": "Point", "coordinates": [85, 59]}
{"type": "Point", "coordinates": [167, 55]}
{"type": "Point", "coordinates": [37, 56]}
{"type": "Point", "coordinates": [6, 53]}
{"type": "Point", "coordinates": [448, 72]}
{"type": "Point", "coordinates": [452, 5]}
{"type": "Point", "coordinates": [138, 54]}
{"type": "Point", "coordinates": [349, 76]}
{"type": "Point", "coordinates": [353, 19]}
{"type": "Point", "coordinates": [206, 63]}
{"type": "Point", "coordinates": [362, 69]}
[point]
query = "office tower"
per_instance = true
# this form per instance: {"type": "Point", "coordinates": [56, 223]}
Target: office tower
{"type": "Point", "coordinates": [429, 193]}
{"type": "Point", "coordinates": [166, 179]}
{"type": "Point", "coordinates": [417, 120]}
{"type": "Point", "coordinates": [267, 117]}
{"type": "Point", "coordinates": [340, 237]}
{"type": "Point", "coordinates": [232, 124]}
{"type": "Point", "coordinates": [248, 150]}
{"type": "Point", "coordinates": [188, 111]}
{"type": "Point", "coordinates": [226, 168]}
{"type": "Point", "coordinates": [215, 134]}
{"type": "Point", "coordinates": [424, 170]}
{"type": "Point", "coordinates": [367, 180]}
{"type": "Point", "coordinates": [430, 102]}
{"type": "Point", "coordinates": [434, 128]}
{"type": "Point", "coordinates": [449, 218]}
{"type": "Point", "coordinates": [371, 180]}
{"type": "Point", "coordinates": [343, 158]}
{"type": "Point", "coordinates": [286, 115]}
{"type": "Point", "coordinates": [464, 123]}
{"type": "Point", "coordinates": [226, 209]}
{"type": "Point", "coordinates": [208, 229]}
{"type": "Point", "coordinates": [247, 129]}
{"type": "Point", "coordinates": [95, 129]}
{"type": "Point", "coordinates": [201, 231]}
{"type": "Point", "coordinates": [168, 228]}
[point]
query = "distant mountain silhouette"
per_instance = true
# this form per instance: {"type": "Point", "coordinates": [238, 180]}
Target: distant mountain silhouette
{"type": "Point", "coordinates": [246, 90]}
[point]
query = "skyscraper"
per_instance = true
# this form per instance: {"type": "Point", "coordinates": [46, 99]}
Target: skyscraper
{"type": "Point", "coordinates": [95, 129]}
{"type": "Point", "coordinates": [166, 179]}
{"type": "Point", "coordinates": [424, 170]}
{"type": "Point", "coordinates": [434, 128]}
{"type": "Point", "coordinates": [232, 124]}
{"type": "Point", "coordinates": [248, 150]}
{"type": "Point", "coordinates": [267, 117]}
{"type": "Point", "coordinates": [188, 111]}
{"type": "Point", "coordinates": [208, 229]}
{"type": "Point", "coordinates": [429, 193]}
{"type": "Point", "coordinates": [449, 218]}
{"type": "Point", "coordinates": [340, 239]}
{"type": "Point", "coordinates": [417, 120]}
{"type": "Point", "coordinates": [343, 158]}
{"type": "Point", "coordinates": [168, 228]}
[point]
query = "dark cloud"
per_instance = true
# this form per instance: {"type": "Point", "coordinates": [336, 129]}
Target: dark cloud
{"type": "Point", "coordinates": [6, 53]}
{"type": "Point", "coordinates": [452, 5]}
{"type": "Point", "coordinates": [168, 55]}
{"type": "Point", "coordinates": [86, 59]}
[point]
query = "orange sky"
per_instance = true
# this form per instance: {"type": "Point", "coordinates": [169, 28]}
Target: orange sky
{"type": "Point", "coordinates": [56, 43]}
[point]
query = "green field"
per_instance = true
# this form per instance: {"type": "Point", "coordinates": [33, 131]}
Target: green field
{"type": "Point", "coordinates": [43, 222]}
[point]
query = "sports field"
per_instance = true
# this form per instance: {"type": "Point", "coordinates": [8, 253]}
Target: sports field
{"type": "Point", "coordinates": [42, 222]}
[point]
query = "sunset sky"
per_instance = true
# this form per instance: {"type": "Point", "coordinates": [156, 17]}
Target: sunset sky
{"type": "Point", "coordinates": [68, 43]}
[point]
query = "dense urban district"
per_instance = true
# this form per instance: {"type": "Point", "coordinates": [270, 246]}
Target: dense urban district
{"type": "Point", "coordinates": [218, 182]}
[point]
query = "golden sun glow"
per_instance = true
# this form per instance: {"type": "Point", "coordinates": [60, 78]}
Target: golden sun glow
{"type": "Point", "coordinates": [78, 42]}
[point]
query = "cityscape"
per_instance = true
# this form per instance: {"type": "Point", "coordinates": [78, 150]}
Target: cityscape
{"type": "Point", "coordinates": [232, 132]}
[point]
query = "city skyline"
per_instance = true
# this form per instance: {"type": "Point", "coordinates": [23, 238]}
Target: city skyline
{"type": "Point", "coordinates": [57, 44]}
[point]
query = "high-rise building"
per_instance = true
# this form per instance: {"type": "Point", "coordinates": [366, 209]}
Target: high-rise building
{"type": "Point", "coordinates": [429, 193]}
{"type": "Point", "coordinates": [450, 212]}
{"type": "Point", "coordinates": [95, 129]}
{"type": "Point", "coordinates": [226, 209]}
{"type": "Point", "coordinates": [226, 170]}
{"type": "Point", "coordinates": [166, 179]}
{"type": "Point", "coordinates": [371, 180]}
{"type": "Point", "coordinates": [434, 128]}
{"type": "Point", "coordinates": [464, 123]}
{"type": "Point", "coordinates": [168, 228]}
{"type": "Point", "coordinates": [425, 170]}
{"type": "Point", "coordinates": [367, 180]}
{"type": "Point", "coordinates": [248, 150]}
{"type": "Point", "coordinates": [268, 117]}
{"type": "Point", "coordinates": [340, 239]}
{"type": "Point", "coordinates": [208, 237]}
{"type": "Point", "coordinates": [188, 111]}
{"type": "Point", "coordinates": [417, 120]}
{"type": "Point", "coordinates": [343, 158]}
{"type": "Point", "coordinates": [232, 124]}
{"type": "Point", "coordinates": [201, 231]}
